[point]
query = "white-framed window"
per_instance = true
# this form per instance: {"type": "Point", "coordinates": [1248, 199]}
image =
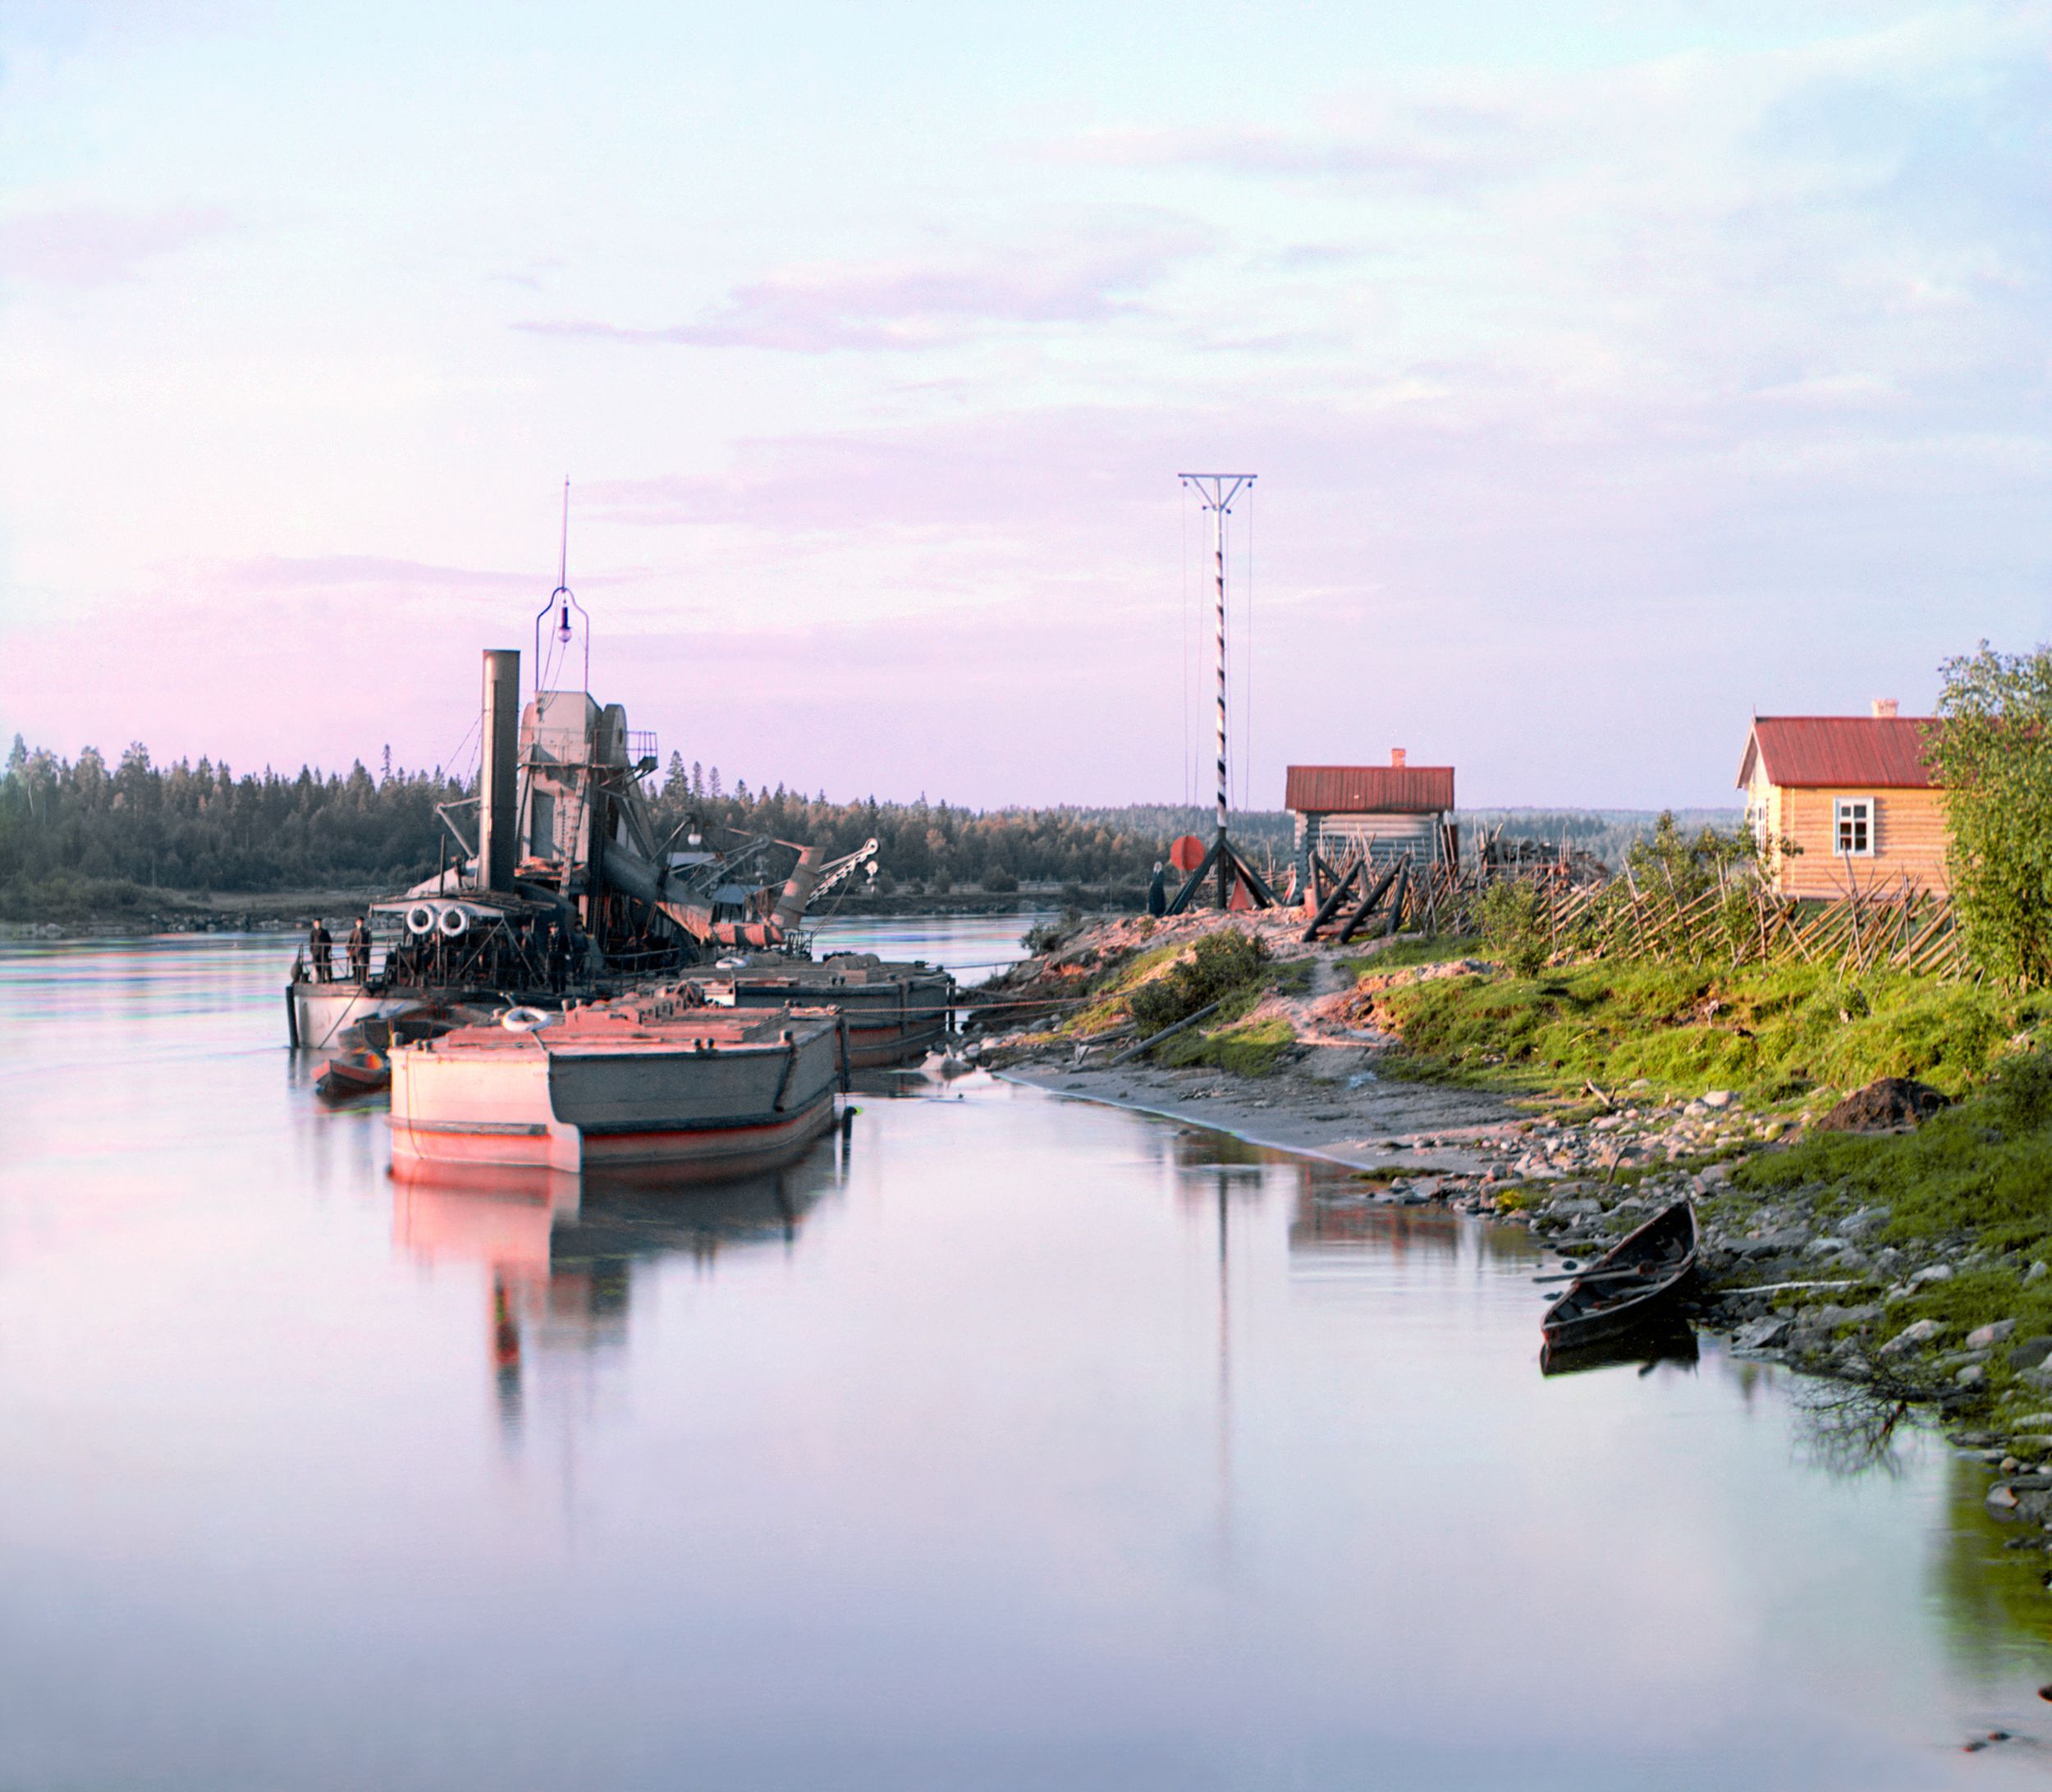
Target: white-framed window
{"type": "Point", "coordinates": [1853, 827]}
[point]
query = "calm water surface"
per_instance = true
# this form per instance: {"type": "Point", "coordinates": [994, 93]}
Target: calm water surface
{"type": "Point", "coordinates": [1004, 1443]}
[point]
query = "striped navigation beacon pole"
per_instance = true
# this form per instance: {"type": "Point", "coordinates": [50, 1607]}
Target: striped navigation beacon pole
{"type": "Point", "coordinates": [1216, 492]}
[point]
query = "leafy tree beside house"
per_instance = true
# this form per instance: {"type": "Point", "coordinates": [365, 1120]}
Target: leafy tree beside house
{"type": "Point", "coordinates": [1992, 755]}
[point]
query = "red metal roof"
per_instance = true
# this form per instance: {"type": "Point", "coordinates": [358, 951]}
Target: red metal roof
{"type": "Point", "coordinates": [1369, 790]}
{"type": "Point", "coordinates": [1855, 752]}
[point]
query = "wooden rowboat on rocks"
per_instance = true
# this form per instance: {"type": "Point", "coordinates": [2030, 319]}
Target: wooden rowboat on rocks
{"type": "Point", "coordinates": [1631, 1285]}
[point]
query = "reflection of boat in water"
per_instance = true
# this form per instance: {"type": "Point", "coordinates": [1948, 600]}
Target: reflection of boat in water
{"type": "Point", "coordinates": [624, 1217]}
{"type": "Point", "coordinates": [1631, 1285]}
{"type": "Point", "coordinates": [530, 1225]}
{"type": "Point", "coordinates": [559, 1247]}
{"type": "Point", "coordinates": [1669, 1340]}
{"type": "Point", "coordinates": [654, 1080]}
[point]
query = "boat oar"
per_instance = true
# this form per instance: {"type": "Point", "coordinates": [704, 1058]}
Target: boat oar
{"type": "Point", "coordinates": [1599, 1275]}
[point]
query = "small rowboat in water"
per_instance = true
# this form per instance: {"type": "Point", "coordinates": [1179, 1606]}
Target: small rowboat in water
{"type": "Point", "coordinates": [354, 1073]}
{"type": "Point", "coordinates": [1631, 1285]}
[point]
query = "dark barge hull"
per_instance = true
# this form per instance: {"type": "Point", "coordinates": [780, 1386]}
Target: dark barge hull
{"type": "Point", "coordinates": [896, 1013]}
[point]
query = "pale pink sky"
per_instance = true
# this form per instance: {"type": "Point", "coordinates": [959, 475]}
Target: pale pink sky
{"type": "Point", "coordinates": [1611, 374]}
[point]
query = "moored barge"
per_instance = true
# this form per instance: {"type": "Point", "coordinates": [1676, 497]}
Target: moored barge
{"type": "Point", "coordinates": [894, 1012]}
{"type": "Point", "coordinates": [654, 1080]}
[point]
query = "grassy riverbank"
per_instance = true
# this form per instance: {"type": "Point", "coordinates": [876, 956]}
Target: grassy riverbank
{"type": "Point", "coordinates": [1777, 1033]}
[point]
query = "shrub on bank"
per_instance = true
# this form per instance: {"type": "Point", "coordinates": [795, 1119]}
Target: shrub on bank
{"type": "Point", "coordinates": [1514, 925]}
{"type": "Point", "coordinates": [1219, 963]}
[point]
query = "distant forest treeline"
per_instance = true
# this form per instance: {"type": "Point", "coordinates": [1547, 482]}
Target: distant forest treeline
{"type": "Point", "coordinates": [205, 827]}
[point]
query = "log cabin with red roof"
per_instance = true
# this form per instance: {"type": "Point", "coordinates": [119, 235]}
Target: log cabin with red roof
{"type": "Point", "coordinates": [1853, 795]}
{"type": "Point", "coordinates": [1383, 811]}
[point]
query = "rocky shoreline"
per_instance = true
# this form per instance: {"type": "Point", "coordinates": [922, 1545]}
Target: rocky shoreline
{"type": "Point", "coordinates": [1784, 1276]}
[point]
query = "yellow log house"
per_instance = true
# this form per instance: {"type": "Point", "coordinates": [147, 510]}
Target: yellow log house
{"type": "Point", "coordinates": [1852, 794]}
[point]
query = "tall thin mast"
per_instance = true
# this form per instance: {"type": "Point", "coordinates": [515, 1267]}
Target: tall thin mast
{"type": "Point", "coordinates": [1216, 492]}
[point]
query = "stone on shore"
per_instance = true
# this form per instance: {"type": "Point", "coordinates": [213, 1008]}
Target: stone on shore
{"type": "Point", "coordinates": [1922, 1332]}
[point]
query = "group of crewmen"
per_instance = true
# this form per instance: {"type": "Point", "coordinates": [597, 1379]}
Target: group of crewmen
{"type": "Point", "coordinates": [320, 951]}
{"type": "Point", "coordinates": [537, 945]}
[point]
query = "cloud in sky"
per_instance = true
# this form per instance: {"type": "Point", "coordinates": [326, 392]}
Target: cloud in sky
{"type": "Point", "coordinates": [1434, 148]}
{"type": "Point", "coordinates": [1578, 372]}
{"type": "Point", "coordinates": [96, 245]}
{"type": "Point", "coordinates": [276, 572]}
{"type": "Point", "coordinates": [914, 305]}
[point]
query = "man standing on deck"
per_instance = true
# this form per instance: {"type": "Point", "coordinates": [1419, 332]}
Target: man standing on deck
{"type": "Point", "coordinates": [320, 951]}
{"type": "Point", "coordinates": [359, 952]}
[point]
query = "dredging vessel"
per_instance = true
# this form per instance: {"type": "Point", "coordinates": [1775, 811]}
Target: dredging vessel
{"type": "Point", "coordinates": [568, 881]}
{"type": "Point", "coordinates": [559, 878]}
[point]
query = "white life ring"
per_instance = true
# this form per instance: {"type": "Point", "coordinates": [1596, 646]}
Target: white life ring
{"type": "Point", "coordinates": [525, 1019]}
{"type": "Point", "coordinates": [420, 917]}
{"type": "Point", "coordinates": [454, 922]}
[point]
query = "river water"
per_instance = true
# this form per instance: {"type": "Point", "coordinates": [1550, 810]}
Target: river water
{"type": "Point", "coordinates": [1006, 1442]}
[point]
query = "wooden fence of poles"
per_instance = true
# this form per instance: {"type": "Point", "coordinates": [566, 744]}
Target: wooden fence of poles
{"type": "Point", "coordinates": [1732, 919]}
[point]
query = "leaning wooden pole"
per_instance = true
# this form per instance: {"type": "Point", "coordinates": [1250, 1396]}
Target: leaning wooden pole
{"type": "Point", "coordinates": [1330, 905]}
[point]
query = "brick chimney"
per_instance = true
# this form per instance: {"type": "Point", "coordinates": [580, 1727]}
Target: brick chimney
{"type": "Point", "coordinates": [1884, 706]}
{"type": "Point", "coordinates": [1396, 758]}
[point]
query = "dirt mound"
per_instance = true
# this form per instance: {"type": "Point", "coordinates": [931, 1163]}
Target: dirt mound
{"type": "Point", "coordinates": [1887, 1106]}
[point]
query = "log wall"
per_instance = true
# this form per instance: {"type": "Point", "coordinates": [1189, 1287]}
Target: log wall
{"type": "Point", "coordinates": [1908, 833]}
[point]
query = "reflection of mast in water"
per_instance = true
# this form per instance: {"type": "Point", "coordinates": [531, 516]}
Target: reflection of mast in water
{"type": "Point", "coordinates": [1233, 1170]}
{"type": "Point", "coordinates": [1225, 1381]}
